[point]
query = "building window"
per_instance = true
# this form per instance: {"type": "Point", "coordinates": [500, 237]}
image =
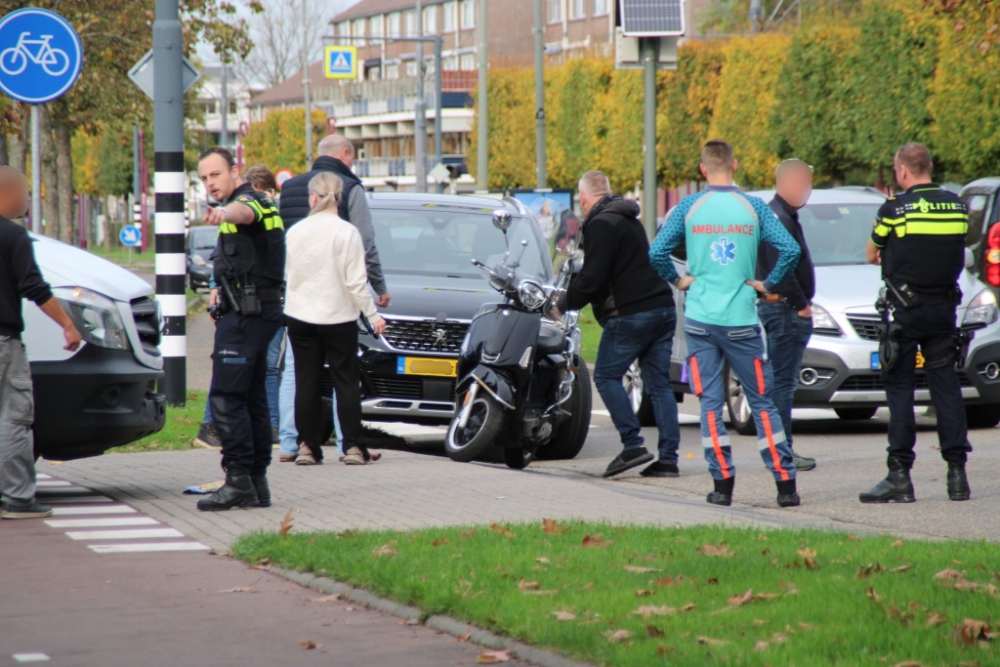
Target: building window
{"type": "Point", "coordinates": [578, 9]}
{"type": "Point", "coordinates": [410, 22]}
{"type": "Point", "coordinates": [448, 16]}
{"type": "Point", "coordinates": [467, 62]}
{"type": "Point", "coordinates": [600, 7]}
{"type": "Point", "coordinates": [393, 30]}
{"type": "Point", "coordinates": [375, 27]}
{"type": "Point", "coordinates": [344, 30]}
{"type": "Point", "coordinates": [431, 20]}
{"type": "Point", "coordinates": [392, 71]}
{"type": "Point", "coordinates": [555, 11]}
{"type": "Point", "coordinates": [468, 14]}
{"type": "Point", "coordinates": [449, 64]}
{"type": "Point", "coordinates": [358, 30]}
{"type": "Point", "coordinates": [411, 68]}
{"type": "Point", "coordinates": [232, 107]}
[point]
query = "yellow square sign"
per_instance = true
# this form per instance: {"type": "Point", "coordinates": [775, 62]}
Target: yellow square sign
{"type": "Point", "coordinates": [340, 62]}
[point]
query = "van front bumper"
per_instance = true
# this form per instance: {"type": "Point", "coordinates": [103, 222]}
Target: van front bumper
{"type": "Point", "coordinates": [96, 400]}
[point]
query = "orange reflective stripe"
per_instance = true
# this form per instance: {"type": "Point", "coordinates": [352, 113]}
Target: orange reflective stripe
{"type": "Point", "coordinates": [696, 376]}
{"type": "Point", "coordinates": [766, 418]}
{"type": "Point", "coordinates": [759, 365]}
{"type": "Point", "coordinates": [715, 445]}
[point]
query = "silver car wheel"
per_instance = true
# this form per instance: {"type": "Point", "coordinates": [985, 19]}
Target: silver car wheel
{"type": "Point", "coordinates": [633, 385]}
{"type": "Point", "coordinates": [739, 399]}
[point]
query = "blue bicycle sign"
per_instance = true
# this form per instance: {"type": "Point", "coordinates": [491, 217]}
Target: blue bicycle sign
{"type": "Point", "coordinates": [40, 55]}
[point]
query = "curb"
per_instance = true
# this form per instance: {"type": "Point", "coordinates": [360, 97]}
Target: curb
{"type": "Point", "coordinates": [445, 624]}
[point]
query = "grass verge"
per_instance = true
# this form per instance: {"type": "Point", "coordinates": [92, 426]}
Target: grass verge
{"type": "Point", "coordinates": [709, 595]}
{"type": "Point", "coordinates": [178, 433]}
{"type": "Point", "coordinates": [590, 334]}
{"type": "Point", "coordinates": [121, 256]}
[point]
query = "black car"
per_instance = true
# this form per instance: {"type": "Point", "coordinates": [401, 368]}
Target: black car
{"type": "Point", "coordinates": [426, 244]}
{"type": "Point", "coordinates": [200, 244]}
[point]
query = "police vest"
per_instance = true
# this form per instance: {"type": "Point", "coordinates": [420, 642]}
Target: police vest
{"type": "Point", "coordinates": [253, 253]}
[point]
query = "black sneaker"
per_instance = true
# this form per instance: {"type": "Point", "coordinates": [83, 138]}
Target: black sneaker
{"type": "Point", "coordinates": [30, 510]}
{"type": "Point", "coordinates": [628, 459]}
{"type": "Point", "coordinates": [208, 437]}
{"type": "Point", "coordinates": [661, 469]}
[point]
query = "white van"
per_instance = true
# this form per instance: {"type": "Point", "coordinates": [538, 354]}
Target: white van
{"type": "Point", "coordinates": [104, 394]}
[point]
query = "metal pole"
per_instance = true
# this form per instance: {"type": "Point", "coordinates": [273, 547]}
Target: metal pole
{"type": "Point", "coordinates": [224, 112]}
{"type": "Point", "coordinates": [482, 122]}
{"type": "Point", "coordinates": [438, 149]}
{"type": "Point", "coordinates": [755, 13]}
{"type": "Point", "coordinates": [36, 170]}
{"type": "Point", "coordinates": [305, 88]}
{"type": "Point", "coordinates": [650, 56]}
{"type": "Point", "coordinates": [136, 169]}
{"type": "Point", "coordinates": [420, 120]}
{"type": "Point", "coordinates": [540, 172]}
{"type": "Point", "coordinates": [171, 266]}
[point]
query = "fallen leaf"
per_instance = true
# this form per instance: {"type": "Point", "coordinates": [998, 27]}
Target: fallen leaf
{"type": "Point", "coordinates": [935, 619]}
{"type": "Point", "coordinates": [467, 534]}
{"type": "Point", "coordinates": [852, 538]}
{"type": "Point", "coordinates": [778, 638]}
{"type": "Point", "coordinates": [501, 530]}
{"type": "Point", "coordinates": [493, 657]}
{"type": "Point", "coordinates": [709, 641]}
{"type": "Point", "coordinates": [897, 544]}
{"type": "Point", "coordinates": [588, 586]}
{"type": "Point", "coordinates": [548, 591]}
{"type": "Point", "coordinates": [309, 644]}
{"type": "Point", "coordinates": [439, 542]}
{"type": "Point", "coordinates": [789, 588]}
{"type": "Point", "coordinates": [721, 550]}
{"type": "Point", "coordinates": [873, 596]}
{"type": "Point", "coordinates": [285, 526]}
{"type": "Point", "coordinates": [665, 581]}
{"type": "Point", "coordinates": [654, 631]}
{"type": "Point", "coordinates": [527, 585]}
{"type": "Point", "coordinates": [759, 621]}
{"type": "Point", "coordinates": [766, 596]}
{"type": "Point", "coordinates": [972, 631]}
{"type": "Point", "coordinates": [596, 541]}
{"type": "Point", "coordinates": [239, 589]}
{"type": "Point", "coordinates": [901, 568]}
{"type": "Point", "coordinates": [553, 527]}
{"type": "Point", "coordinates": [664, 651]}
{"type": "Point", "coordinates": [640, 570]}
{"type": "Point", "coordinates": [543, 560]}
{"type": "Point", "coordinates": [950, 575]}
{"type": "Point", "coordinates": [647, 611]}
{"type": "Point", "coordinates": [761, 537]}
{"type": "Point", "coordinates": [806, 552]}
{"type": "Point", "coordinates": [564, 615]}
{"type": "Point", "coordinates": [410, 621]}
{"type": "Point", "coordinates": [760, 646]}
{"type": "Point", "coordinates": [811, 564]}
{"type": "Point", "coordinates": [464, 638]}
{"type": "Point", "coordinates": [713, 581]}
{"type": "Point", "coordinates": [740, 600]}
{"type": "Point", "coordinates": [619, 636]}
{"type": "Point", "coordinates": [805, 626]}
{"type": "Point", "coordinates": [689, 455]}
{"type": "Point", "coordinates": [385, 550]}
{"type": "Point", "coordinates": [765, 551]}
{"type": "Point", "coordinates": [326, 598]}
{"type": "Point", "coordinates": [690, 606]}
{"type": "Point", "coordinates": [643, 592]}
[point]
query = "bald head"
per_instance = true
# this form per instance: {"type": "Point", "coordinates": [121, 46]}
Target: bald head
{"type": "Point", "coordinates": [337, 146]}
{"type": "Point", "coordinates": [793, 182]}
{"type": "Point", "coordinates": [14, 201]}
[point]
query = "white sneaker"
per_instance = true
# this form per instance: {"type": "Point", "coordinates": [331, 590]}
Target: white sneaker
{"type": "Point", "coordinates": [354, 457]}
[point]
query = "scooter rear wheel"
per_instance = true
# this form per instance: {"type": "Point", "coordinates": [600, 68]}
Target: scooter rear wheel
{"type": "Point", "coordinates": [464, 444]}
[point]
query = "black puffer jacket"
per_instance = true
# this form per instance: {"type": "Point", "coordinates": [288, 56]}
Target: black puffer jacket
{"type": "Point", "coordinates": [295, 192]}
{"type": "Point", "coordinates": [617, 276]}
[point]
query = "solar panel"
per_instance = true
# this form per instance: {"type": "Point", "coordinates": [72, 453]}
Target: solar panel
{"type": "Point", "coordinates": [652, 18]}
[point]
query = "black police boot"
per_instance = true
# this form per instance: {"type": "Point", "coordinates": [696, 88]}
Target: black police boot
{"type": "Point", "coordinates": [787, 496]}
{"type": "Point", "coordinates": [259, 480]}
{"type": "Point", "coordinates": [958, 484]}
{"type": "Point", "coordinates": [895, 488]}
{"type": "Point", "coordinates": [238, 491]}
{"type": "Point", "coordinates": [723, 494]}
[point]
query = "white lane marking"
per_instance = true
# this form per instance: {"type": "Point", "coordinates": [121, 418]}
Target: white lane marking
{"type": "Point", "coordinates": [101, 523]}
{"type": "Point", "coordinates": [134, 534]}
{"type": "Point", "coordinates": [41, 475]}
{"type": "Point", "coordinates": [76, 498]}
{"type": "Point", "coordinates": [30, 657]}
{"type": "Point", "coordinates": [99, 509]}
{"type": "Point", "coordinates": [52, 482]}
{"type": "Point", "coordinates": [142, 548]}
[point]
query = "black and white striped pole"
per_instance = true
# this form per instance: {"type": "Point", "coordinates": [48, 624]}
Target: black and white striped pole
{"type": "Point", "coordinates": [168, 182]}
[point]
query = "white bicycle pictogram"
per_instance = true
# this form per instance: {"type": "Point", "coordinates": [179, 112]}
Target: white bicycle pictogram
{"type": "Point", "coordinates": [14, 60]}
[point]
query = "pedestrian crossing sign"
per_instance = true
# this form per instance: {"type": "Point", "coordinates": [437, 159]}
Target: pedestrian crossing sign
{"type": "Point", "coordinates": [340, 62]}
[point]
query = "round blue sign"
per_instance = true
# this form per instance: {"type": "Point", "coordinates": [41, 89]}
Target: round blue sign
{"type": "Point", "coordinates": [40, 55]}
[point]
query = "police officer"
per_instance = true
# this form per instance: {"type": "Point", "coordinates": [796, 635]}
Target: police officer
{"type": "Point", "coordinates": [919, 239]}
{"type": "Point", "coordinates": [249, 269]}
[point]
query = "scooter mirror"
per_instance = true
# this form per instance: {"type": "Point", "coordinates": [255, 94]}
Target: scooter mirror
{"type": "Point", "coordinates": [501, 220]}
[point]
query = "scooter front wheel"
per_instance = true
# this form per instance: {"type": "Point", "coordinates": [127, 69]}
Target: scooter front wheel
{"type": "Point", "coordinates": [465, 443]}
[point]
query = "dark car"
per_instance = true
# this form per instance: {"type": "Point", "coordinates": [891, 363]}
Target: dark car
{"type": "Point", "coordinates": [200, 244]}
{"type": "Point", "coordinates": [426, 244]}
{"type": "Point", "coordinates": [983, 239]}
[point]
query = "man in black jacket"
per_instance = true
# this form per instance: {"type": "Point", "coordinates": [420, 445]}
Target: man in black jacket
{"type": "Point", "coordinates": [636, 308]}
{"type": "Point", "coordinates": [786, 313]}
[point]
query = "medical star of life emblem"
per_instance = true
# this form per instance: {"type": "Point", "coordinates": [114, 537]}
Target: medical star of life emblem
{"type": "Point", "coordinates": [723, 251]}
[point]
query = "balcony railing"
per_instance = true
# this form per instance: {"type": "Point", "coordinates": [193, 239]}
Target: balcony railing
{"type": "Point", "coordinates": [387, 167]}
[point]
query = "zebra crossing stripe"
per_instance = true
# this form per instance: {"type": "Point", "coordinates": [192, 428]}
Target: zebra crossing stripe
{"type": "Point", "coordinates": [100, 523]}
{"type": "Point", "coordinates": [146, 547]}
{"type": "Point", "coordinates": [76, 498]}
{"type": "Point", "coordinates": [100, 509]}
{"type": "Point", "coordinates": [132, 534]}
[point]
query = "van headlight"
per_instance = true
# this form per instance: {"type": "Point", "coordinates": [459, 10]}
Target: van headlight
{"type": "Point", "coordinates": [96, 317]}
{"type": "Point", "coordinates": [982, 309]}
{"type": "Point", "coordinates": [823, 322]}
{"type": "Point", "coordinates": [532, 294]}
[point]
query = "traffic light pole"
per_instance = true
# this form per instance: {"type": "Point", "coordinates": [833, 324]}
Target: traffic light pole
{"type": "Point", "coordinates": [171, 264]}
{"type": "Point", "coordinates": [650, 58]}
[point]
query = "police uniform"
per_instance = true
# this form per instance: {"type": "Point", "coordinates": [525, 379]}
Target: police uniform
{"type": "Point", "coordinates": [249, 270]}
{"type": "Point", "coordinates": [921, 234]}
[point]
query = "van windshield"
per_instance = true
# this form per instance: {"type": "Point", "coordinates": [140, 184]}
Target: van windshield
{"type": "Point", "coordinates": [838, 233]}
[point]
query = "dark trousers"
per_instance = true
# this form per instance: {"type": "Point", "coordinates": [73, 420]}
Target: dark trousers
{"type": "Point", "coordinates": [239, 393]}
{"type": "Point", "coordinates": [787, 337]}
{"type": "Point", "coordinates": [929, 325]}
{"type": "Point", "coordinates": [337, 345]}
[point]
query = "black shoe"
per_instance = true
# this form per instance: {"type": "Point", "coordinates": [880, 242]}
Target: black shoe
{"type": "Point", "coordinates": [32, 510]}
{"type": "Point", "coordinates": [275, 438]}
{"type": "Point", "coordinates": [787, 497]}
{"type": "Point", "coordinates": [238, 491]}
{"type": "Point", "coordinates": [803, 463]}
{"type": "Point", "coordinates": [628, 459]}
{"type": "Point", "coordinates": [259, 481]}
{"type": "Point", "coordinates": [895, 488]}
{"type": "Point", "coordinates": [661, 469]}
{"type": "Point", "coordinates": [208, 437]}
{"type": "Point", "coordinates": [958, 483]}
{"type": "Point", "coordinates": [723, 494]}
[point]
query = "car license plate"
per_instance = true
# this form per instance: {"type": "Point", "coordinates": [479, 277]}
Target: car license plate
{"type": "Point", "coordinates": [876, 365]}
{"type": "Point", "coordinates": [445, 368]}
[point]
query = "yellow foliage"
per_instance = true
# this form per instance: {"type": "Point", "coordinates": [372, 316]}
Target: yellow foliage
{"type": "Point", "coordinates": [86, 164]}
{"type": "Point", "coordinates": [279, 141]}
{"type": "Point", "coordinates": [511, 96]}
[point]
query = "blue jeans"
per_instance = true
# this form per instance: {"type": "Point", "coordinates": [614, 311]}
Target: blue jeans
{"type": "Point", "coordinates": [787, 336]}
{"type": "Point", "coordinates": [710, 347]}
{"type": "Point", "coordinates": [648, 337]}
{"type": "Point", "coordinates": [288, 434]}
{"type": "Point", "coordinates": [271, 383]}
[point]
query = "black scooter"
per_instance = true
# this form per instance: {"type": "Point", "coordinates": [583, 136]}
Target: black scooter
{"type": "Point", "coordinates": [522, 384]}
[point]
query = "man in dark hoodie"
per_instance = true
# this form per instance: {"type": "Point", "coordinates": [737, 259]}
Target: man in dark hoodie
{"type": "Point", "coordinates": [636, 308]}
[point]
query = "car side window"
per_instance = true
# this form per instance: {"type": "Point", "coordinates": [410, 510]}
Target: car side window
{"type": "Point", "coordinates": [978, 210]}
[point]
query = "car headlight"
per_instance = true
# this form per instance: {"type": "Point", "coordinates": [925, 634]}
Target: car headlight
{"type": "Point", "coordinates": [532, 294]}
{"type": "Point", "coordinates": [198, 260]}
{"type": "Point", "coordinates": [823, 322]}
{"type": "Point", "coordinates": [96, 317]}
{"type": "Point", "coordinates": [982, 309]}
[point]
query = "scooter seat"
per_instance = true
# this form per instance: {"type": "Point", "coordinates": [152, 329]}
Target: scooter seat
{"type": "Point", "coordinates": [551, 340]}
